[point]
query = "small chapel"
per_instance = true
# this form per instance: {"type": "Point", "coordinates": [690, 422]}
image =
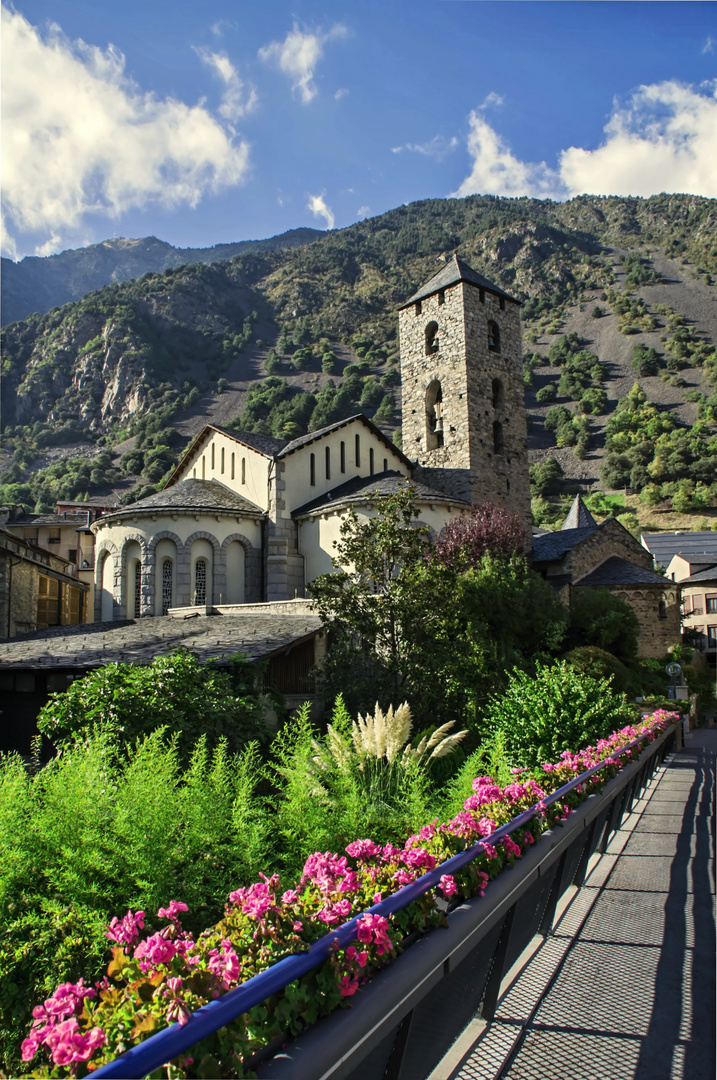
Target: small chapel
{"type": "Point", "coordinates": [247, 519]}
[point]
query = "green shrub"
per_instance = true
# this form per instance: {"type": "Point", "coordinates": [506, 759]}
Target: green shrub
{"type": "Point", "coordinates": [557, 709]}
{"type": "Point", "coordinates": [190, 698]}
{"type": "Point", "coordinates": [549, 392]}
{"type": "Point", "coordinates": [599, 618]}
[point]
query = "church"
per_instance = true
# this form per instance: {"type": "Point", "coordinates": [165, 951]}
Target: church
{"type": "Point", "coordinates": [246, 519]}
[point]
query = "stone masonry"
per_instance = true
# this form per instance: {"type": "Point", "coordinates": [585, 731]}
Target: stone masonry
{"type": "Point", "coordinates": [462, 347]}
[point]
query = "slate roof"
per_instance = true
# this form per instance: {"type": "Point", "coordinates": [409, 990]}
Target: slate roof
{"type": "Point", "coordinates": [381, 484]}
{"type": "Point", "coordinates": [265, 444]}
{"type": "Point", "coordinates": [695, 546]}
{"type": "Point", "coordinates": [617, 571]}
{"type": "Point", "coordinates": [216, 637]}
{"type": "Point", "coordinates": [579, 516]}
{"type": "Point", "coordinates": [455, 270]}
{"type": "Point", "coordinates": [31, 520]}
{"type": "Point", "coordinates": [554, 545]}
{"type": "Point", "coordinates": [706, 576]}
{"type": "Point", "coordinates": [190, 495]}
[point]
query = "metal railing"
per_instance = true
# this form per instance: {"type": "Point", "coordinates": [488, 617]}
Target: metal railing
{"type": "Point", "coordinates": [167, 1044]}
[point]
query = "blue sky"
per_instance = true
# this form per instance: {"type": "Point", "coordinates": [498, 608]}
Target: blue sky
{"type": "Point", "coordinates": [222, 121]}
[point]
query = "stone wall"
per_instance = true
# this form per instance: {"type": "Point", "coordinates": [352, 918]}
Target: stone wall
{"type": "Point", "coordinates": [484, 433]}
{"type": "Point", "coordinates": [610, 539]}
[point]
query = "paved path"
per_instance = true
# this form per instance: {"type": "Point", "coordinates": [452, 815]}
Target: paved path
{"type": "Point", "coordinates": [624, 987]}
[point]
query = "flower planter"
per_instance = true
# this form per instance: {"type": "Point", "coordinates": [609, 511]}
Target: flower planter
{"type": "Point", "coordinates": [403, 1022]}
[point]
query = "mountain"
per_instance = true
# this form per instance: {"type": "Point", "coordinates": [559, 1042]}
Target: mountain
{"type": "Point", "coordinates": [104, 392]}
{"type": "Point", "coordinates": [39, 284]}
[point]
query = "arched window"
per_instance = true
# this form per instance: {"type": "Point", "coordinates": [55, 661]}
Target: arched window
{"type": "Point", "coordinates": [497, 437]}
{"type": "Point", "coordinates": [200, 582]}
{"type": "Point", "coordinates": [312, 469]}
{"type": "Point", "coordinates": [370, 461]}
{"type": "Point", "coordinates": [137, 589]}
{"type": "Point", "coordinates": [385, 464]}
{"type": "Point", "coordinates": [167, 585]}
{"type": "Point", "coordinates": [233, 466]}
{"type": "Point", "coordinates": [498, 394]}
{"type": "Point", "coordinates": [662, 609]}
{"type": "Point", "coordinates": [343, 457]}
{"type": "Point", "coordinates": [431, 338]}
{"type": "Point", "coordinates": [243, 470]}
{"type": "Point", "coordinates": [222, 465]}
{"type": "Point", "coordinates": [327, 455]}
{"type": "Point", "coordinates": [434, 416]}
{"type": "Point", "coordinates": [212, 456]}
{"type": "Point", "coordinates": [358, 451]}
{"type": "Point", "coordinates": [493, 336]}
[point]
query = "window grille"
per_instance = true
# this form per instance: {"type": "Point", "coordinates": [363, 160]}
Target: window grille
{"type": "Point", "coordinates": [137, 588]}
{"type": "Point", "coordinates": [166, 585]}
{"type": "Point", "coordinates": [200, 582]}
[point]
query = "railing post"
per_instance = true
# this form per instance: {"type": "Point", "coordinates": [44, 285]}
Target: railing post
{"type": "Point", "coordinates": [492, 989]}
{"type": "Point", "coordinates": [581, 870]}
{"type": "Point", "coordinates": [556, 891]}
{"type": "Point", "coordinates": [398, 1050]}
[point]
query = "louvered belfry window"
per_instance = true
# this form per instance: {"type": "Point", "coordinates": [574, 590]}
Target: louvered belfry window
{"type": "Point", "coordinates": [166, 585]}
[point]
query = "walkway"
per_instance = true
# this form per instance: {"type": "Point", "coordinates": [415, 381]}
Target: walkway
{"type": "Point", "coordinates": [624, 987]}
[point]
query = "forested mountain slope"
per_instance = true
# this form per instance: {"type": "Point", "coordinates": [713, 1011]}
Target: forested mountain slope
{"type": "Point", "coordinates": [103, 393]}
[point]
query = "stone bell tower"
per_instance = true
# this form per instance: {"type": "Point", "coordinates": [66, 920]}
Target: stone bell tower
{"type": "Point", "coordinates": [463, 397]}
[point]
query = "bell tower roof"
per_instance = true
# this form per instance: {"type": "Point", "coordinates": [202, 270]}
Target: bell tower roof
{"type": "Point", "coordinates": [579, 516]}
{"type": "Point", "coordinates": [454, 271]}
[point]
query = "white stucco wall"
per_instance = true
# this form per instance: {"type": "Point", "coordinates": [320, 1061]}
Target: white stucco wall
{"type": "Point", "coordinates": [202, 464]}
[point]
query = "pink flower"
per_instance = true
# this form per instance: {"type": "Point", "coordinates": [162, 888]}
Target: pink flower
{"type": "Point", "coordinates": [374, 928]}
{"type": "Point", "coordinates": [360, 957]}
{"type": "Point", "coordinates": [225, 964]}
{"type": "Point", "coordinates": [290, 896]}
{"type": "Point", "coordinates": [348, 986]}
{"type": "Point", "coordinates": [419, 859]}
{"type": "Point", "coordinates": [126, 931]}
{"type": "Point", "coordinates": [363, 849]}
{"type": "Point", "coordinates": [171, 912]}
{"type": "Point", "coordinates": [257, 899]}
{"type": "Point", "coordinates": [448, 886]}
{"type": "Point", "coordinates": [155, 949]}
{"type": "Point", "coordinates": [333, 913]}
{"type": "Point", "coordinates": [486, 826]}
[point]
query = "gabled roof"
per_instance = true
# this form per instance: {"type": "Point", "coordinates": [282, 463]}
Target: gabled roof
{"type": "Point", "coordinates": [579, 516]}
{"type": "Point", "coordinates": [304, 440]}
{"type": "Point", "coordinates": [554, 545]}
{"type": "Point", "coordinates": [454, 271]}
{"type": "Point", "coordinates": [191, 495]}
{"type": "Point", "coordinates": [705, 577]}
{"type": "Point", "coordinates": [617, 571]}
{"type": "Point", "coordinates": [361, 488]}
{"type": "Point", "coordinates": [277, 448]}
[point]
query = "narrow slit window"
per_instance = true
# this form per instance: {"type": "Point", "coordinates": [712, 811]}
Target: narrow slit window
{"type": "Point", "coordinates": [385, 464]}
{"type": "Point", "coordinates": [166, 585]}
{"type": "Point", "coordinates": [419, 307]}
{"type": "Point", "coordinates": [200, 582]}
{"type": "Point", "coordinates": [498, 394]}
{"type": "Point", "coordinates": [497, 437]}
{"type": "Point", "coordinates": [312, 469]}
{"type": "Point", "coordinates": [222, 464]}
{"type": "Point", "coordinates": [342, 456]}
{"type": "Point", "coordinates": [358, 451]}
{"type": "Point", "coordinates": [233, 459]}
{"type": "Point", "coordinates": [327, 455]}
{"type": "Point", "coordinates": [194, 474]}
{"type": "Point", "coordinates": [370, 461]}
{"type": "Point", "coordinates": [502, 303]}
{"type": "Point", "coordinates": [441, 297]}
{"type": "Point", "coordinates": [481, 295]}
{"type": "Point", "coordinates": [243, 470]}
{"type": "Point", "coordinates": [212, 456]}
{"type": "Point", "coordinates": [137, 589]}
{"type": "Point", "coordinates": [204, 467]}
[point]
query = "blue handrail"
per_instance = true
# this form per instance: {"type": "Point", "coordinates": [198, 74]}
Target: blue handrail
{"type": "Point", "coordinates": [158, 1049]}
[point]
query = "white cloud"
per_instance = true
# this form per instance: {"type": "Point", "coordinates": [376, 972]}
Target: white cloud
{"type": "Point", "coordinates": [496, 170]}
{"type": "Point", "coordinates": [236, 100]}
{"type": "Point", "coordinates": [663, 139]}
{"type": "Point", "coordinates": [438, 147]}
{"type": "Point", "coordinates": [341, 92]}
{"type": "Point", "coordinates": [709, 46]}
{"type": "Point", "coordinates": [317, 206]}
{"type": "Point", "coordinates": [298, 54]}
{"type": "Point", "coordinates": [363, 211]}
{"type": "Point", "coordinates": [222, 25]}
{"type": "Point", "coordinates": [81, 137]}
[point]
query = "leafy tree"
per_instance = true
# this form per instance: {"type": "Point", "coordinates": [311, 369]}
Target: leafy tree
{"type": "Point", "coordinates": [488, 528]}
{"type": "Point", "coordinates": [598, 617]}
{"type": "Point", "coordinates": [645, 360]}
{"type": "Point", "coordinates": [545, 479]}
{"type": "Point", "coordinates": [549, 392]}
{"type": "Point", "coordinates": [385, 413]}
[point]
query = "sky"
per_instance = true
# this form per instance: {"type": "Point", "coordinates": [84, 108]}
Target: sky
{"type": "Point", "coordinates": [227, 120]}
